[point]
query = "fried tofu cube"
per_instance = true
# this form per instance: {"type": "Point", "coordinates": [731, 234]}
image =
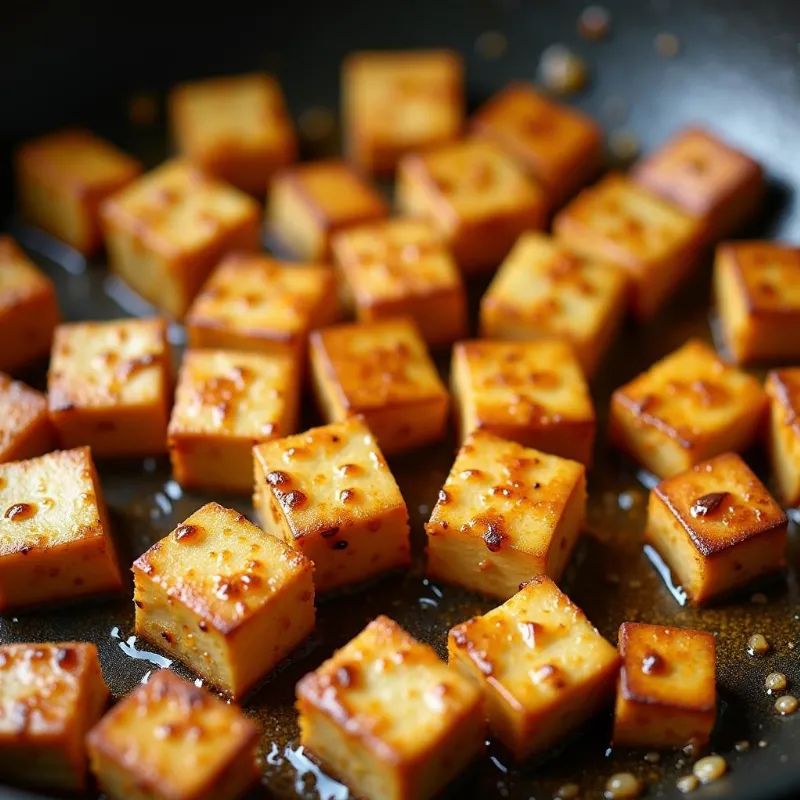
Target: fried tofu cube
{"type": "Point", "coordinates": [533, 393]}
{"type": "Point", "coordinates": [543, 290]}
{"type": "Point", "coordinates": [223, 597]}
{"type": "Point", "coordinates": [506, 513]}
{"type": "Point", "coordinates": [477, 196]}
{"type": "Point", "coordinates": [757, 294]}
{"type": "Point", "coordinates": [255, 303]}
{"type": "Point", "coordinates": [109, 386]}
{"type": "Point", "coordinates": [706, 177]}
{"type": "Point", "coordinates": [168, 230]}
{"type": "Point", "coordinates": [171, 740]}
{"type": "Point", "coordinates": [54, 533]}
{"type": "Point", "coordinates": [400, 267]}
{"type": "Point", "coordinates": [388, 717]}
{"type": "Point", "coordinates": [235, 128]}
{"type": "Point", "coordinates": [717, 528]}
{"type": "Point", "coordinates": [667, 690]}
{"type": "Point", "coordinates": [63, 178]}
{"type": "Point", "coordinates": [783, 388]}
{"type": "Point", "coordinates": [686, 408]}
{"type": "Point", "coordinates": [329, 494]}
{"type": "Point", "coordinates": [541, 665]}
{"type": "Point", "coordinates": [227, 402]}
{"type": "Point", "coordinates": [308, 203]}
{"type": "Point", "coordinates": [396, 102]}
{"type": "Point", "coordinates": [50, 696]}
{"type": "Point", "coordinates": [25, 430]}
{"type": "Point", "coordinates": [618, 221]}
{"type": "Point", "coordinates": [383, 371]}
{"type": "Point", "coordinates": [560, 146]}
{"type": "Point", "coordinates": [28, 309]}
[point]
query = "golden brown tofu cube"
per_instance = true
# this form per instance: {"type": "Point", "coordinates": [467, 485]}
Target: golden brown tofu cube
{"type": "Point", "coordinates": [171, 740]}
{"type": "Point", "coordinates": [54, 533]}
{"type": "Point", "coordinates": [717, 528]}
{"type": "Point", "coordinates": [388, 717]}
{"type": "Point", "coordinates": [235, 128]}
{"type": "Point", "coordinates": [541, 665]}
{"type": "Point", "coordinates": [533, 393]}
{"type": "Point", "coordinates": [227, 402]}
{"type": "Point", "coordinates": [667, 689]}
{"type": "Point", "coordinates": [686, 408]}
{"type": "Point", "coordinates": [477, 196]}
{"type": "Point", "coordinates": [109, 386]}
{"type": "Point", "coordinates": [308, 203]}
{"type": "Point", "coordinates": [400, 267]}
{"type": "Point", "coordinates": [50, 696]}
{"type": "Point", "coordinates": [63, 178]}
{"type": "Point", "coordinates": [25, 429]}
{"type": "Point", "coordinates": [28, 309]}
{"type": "Point", "coordinates": [783, 388]}
{"type": "Point", "coordinates": [253, 302]}
{"type": "Point", "coordinates": [168, 230]}
{"type": "Point", "coordinates": [329, 494]}
{"type": "Point", "coordinates": [706, 177]}
{"type": "Point", "coordinates": [225, 598]}
{"type": "Point", "coordinates": [506, 513]}
{"type": "Point", "coordinates": [396, 102]}
{"type": "Point", "coordinates": [560, 146]}
{"type": "Point", "coordinates": [618, 221]}
{"type": "Point", "coordinates": [543, 290]}
{"type": "Point", "coordinates": [381, 370]}
{"type": "Point", "coordinates": [757, 295]}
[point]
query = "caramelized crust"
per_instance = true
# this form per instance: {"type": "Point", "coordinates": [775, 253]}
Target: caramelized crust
{"type": "Point", "coordinates": [25, 429]}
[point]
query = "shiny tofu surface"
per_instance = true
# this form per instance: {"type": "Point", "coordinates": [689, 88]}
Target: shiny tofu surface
{"type": "Point", "coordinates": [541, 665]}
{"type": "Point", "coordinates": [687, 407]}
{"type": "Point", "coordinates": [783, 388]}
{"type": "Point", "coordinates": [388, 717]}
{"type": "Point", "coordinates": [330, 494]}
{"type": "Point", "coordinates": [505, 514]}
{"type": "Point", "coordinates": [170, 740]}
{"type": "Point", "coordinates": [25, 430]}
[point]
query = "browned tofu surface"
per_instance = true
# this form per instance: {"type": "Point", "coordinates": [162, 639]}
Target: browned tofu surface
{"type": "Point", "coordinates": [25, 429]}
{"type": "Point", "coordinates": [783, 388]}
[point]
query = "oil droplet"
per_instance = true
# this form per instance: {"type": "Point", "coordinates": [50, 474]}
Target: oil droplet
{"type": "Point", "coordinates": [742, 747]}
{"type": "Point", "coordinates": [594, 23]}
{"type": "Point", "coordinates": [775, 682]}
{"type": "Point", "coordinates": [623, 786]}
{"type": "Point", "coordinates": [757, 645]}
{"type": "Point", "coordinates": [652, 758]}
{"type": "Point", "coordinates": [710, 769]}
{"type": "Point", "coordinates": [786, 705]}
{"type": "Point", "coordinates": [569, 791]}
{"type": "Point", "coordinates": [561, 70]}
{"type": "Point", "coordinates": [19, 512]}
{"type": "Point", "coordinates": [686, 784]}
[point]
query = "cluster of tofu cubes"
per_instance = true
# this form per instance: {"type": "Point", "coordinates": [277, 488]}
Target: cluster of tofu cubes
{"type": "Point", "coordinates": [230, 599]}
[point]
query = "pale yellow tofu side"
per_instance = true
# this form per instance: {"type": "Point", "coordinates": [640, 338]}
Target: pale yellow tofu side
{"type": "Point", "coordinates": [783, 388]}
{"type": "Point", "coordinates": [731, 303]}
{"type": "Point", "coordinates": [25, 430]}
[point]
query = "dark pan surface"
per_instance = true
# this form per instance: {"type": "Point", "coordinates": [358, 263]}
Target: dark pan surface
{"type": "Point", "coordinates": [738, 71]}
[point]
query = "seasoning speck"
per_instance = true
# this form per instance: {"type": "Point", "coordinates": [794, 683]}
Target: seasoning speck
{"type": "Point", "coordinates": [594, 23]}
{"type": "Point", "coordinates": [757, 645]}
{"type": "Point", "coordinates": [742, 747]}
{"type": "Point", "coordinates": [775, 682]}
{"type": "Point", "coordinates": [710, 769]}
{"type": "Point", "coordinates": [491, 45]}
{"type": "Point", "coordinates": [622, 785]}
{"type": "Point", "coordinates": [707, 504]}
{"type": "Point", "coordinates": [667, 45]}
{"type": "Point", "coordinates": [652, 758]}
{"type": "Point", "coordinates": [786, 705]}
{"type": "Point", "coordinates": [561, 71]}
{"type": "Point", "coordinates": [686, 784]}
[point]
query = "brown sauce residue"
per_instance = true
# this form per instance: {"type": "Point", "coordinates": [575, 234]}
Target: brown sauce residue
{"type": "Point", "coordinates": [20, 512]}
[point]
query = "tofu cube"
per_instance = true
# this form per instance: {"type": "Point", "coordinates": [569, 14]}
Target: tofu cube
{"type": "Point", "coordinates": [667, 690]}
{"type": "Point", "coordinates": [783, 388]}
{"type": "Point", "coordinates": [388, 717]}
{"type": "Point", "coordinates": [168, 230]}
{"type": "Point", "coordinates": [109, 386]}
{"type": "Point", "coordinates": [227, 402]}
{"type": "Point", "coordinates": [717, 528]}
{"type": "Point", "coordinates": [543, 290]}
{"type": "Point", "coordinates": [757, 295]}
{"type": "Point", "coordinates": [707, 178]}
{"type": "Point", "coordinates": [541, 665]}
{"type": "Point", "coordinates": [382, 371]}
{"type": "Point", "coordinates": [477, 196]}
{"type": "Point", "coordinates": [329, 494]}
{"type": "Point", "coordinates": [560, 146]}
{"type": "Point", "coordinates": [253, 302]}
{"type": "Point", "coordinates": [28, 309]}
{"type": "Point", "coordinates": [224, 598]}
{"type": "Point", "coordinates": [63, 178]}
{"type": "Point", "coordinates": [685, 409]}
{"type": "Point", "coordinates": [617, 220]}
{"type": "Point", "coordinates": [308, 203]}
{"type": "Point", "coordinates": [50, 696]}
{"type": "Point", "coordinates": [400, 267]}
{"type": "Point", "coordinates": [171, 740]}
{"type": "Point", "coordinates": [55, 543]}
{"type": "Point", "coordinates": [25, 429]}
{"type": "Point", "coordinates": [235, 128]}
{"type": "Point", "coordinates": [396, 102]}
{"type": "Point", "coordinates": [506, 513]}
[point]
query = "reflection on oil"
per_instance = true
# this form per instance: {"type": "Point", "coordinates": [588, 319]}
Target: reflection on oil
{"type": "Point", "coordinates": [311, 778]}
{"type": "Point", "coordinates": [666, 575]}
{"type": "Point", "coordinates": [132, 651]}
